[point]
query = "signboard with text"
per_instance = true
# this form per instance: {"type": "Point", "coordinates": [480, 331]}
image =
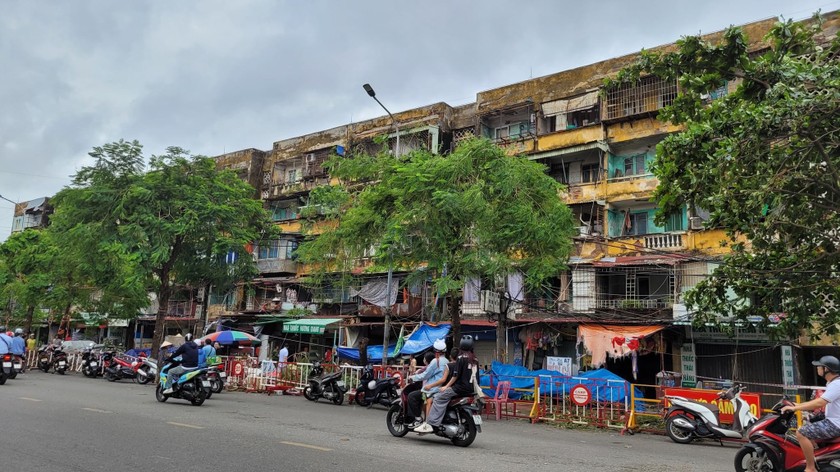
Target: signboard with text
{"type": "Point", "coordinates": [580, 395]}
{"type": "Point", "coordinates": [687, 362]}
{"type": "Point", "coordinates": [787, 368]}
{"type": "Point", "coordinates": [711, 396]}
{"type": "Point", "coordinates": [559, 364]}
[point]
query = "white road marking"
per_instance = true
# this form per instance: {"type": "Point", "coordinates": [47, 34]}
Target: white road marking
{"type": "Point", "coordinates": [30, 399]}
{"type": "Point", "coordinates": [97, 410]}
{"type": "Point", "coordinates": [309, 446]}
{"type": "Point", "coordinates": [184, 425]}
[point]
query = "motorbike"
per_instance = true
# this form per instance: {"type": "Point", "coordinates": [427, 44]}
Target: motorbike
{"type": "Point", "coordinates": [216, 375]}
{"type": "Point", "coordinates": [770, 447]}
{"type": "Point", "coordinates": [329, 386]}
{"type": "Point", "coordinates": [147, 371]}
{"type": "Point", "coordinates": [461, 423]}
{"type": "Point", "coordinates": [192, 386]}
{"type": "Point", "coordinates": [116, 368]}
{"type": "Point", "coordinates": [17, 365]}
{"type": "Point", "coordinates": [92, 362]}
{"type": "Point", "coordinates": [687, 420]}
{"type": "Point", "coordinates": [372, 391]}
{"type": "Point", "coordinates": [53, 357]}
{"type": "Point", "coordinates": [6, 367]}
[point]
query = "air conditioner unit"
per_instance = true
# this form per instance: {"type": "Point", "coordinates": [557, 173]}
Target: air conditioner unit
{"type": "Point", "coordinates": [310, 158]}
{"type": "Point", "coordinates": [695, 222]}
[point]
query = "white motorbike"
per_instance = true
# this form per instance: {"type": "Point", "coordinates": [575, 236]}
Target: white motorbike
{"type": "Point", "coordinates": [148, 371]}
{"type": "Point", "coordinates": [687, 420]}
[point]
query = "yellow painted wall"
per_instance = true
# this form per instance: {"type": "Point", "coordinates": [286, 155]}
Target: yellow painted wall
{"type": "Point", "coordinates": [631, 189]}
{"type": "Point", "coordinates": [581, 193]}
{"type": "Point", "coordinates": [568, 138]}
{"type": "Point", "coordinates": [637, 129]}
{"type": "Point", "coordinates": [518, 147]}
{"type": "Point", "coordinates": [708, 242]}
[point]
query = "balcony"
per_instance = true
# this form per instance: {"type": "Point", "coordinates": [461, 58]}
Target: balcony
{"type": "Point", "coordinates": [568, 138]}
{"type": "Point", "coordinates": [634, 304]}
{"type": "Point", "coordinates": [664, 241]}
{"type": "Point", "coordinates": [633, 187]}
{"type": "Point", "coordinates": [581, 193]}
{"type": "Point", "coordinates": [273, 266]}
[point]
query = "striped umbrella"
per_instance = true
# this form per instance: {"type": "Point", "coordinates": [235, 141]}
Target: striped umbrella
{"type": "Point", "coordinates": [227, 338]}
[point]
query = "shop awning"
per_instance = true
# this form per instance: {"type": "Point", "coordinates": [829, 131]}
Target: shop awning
{"type": "Point", "coordinates": [308, 326]}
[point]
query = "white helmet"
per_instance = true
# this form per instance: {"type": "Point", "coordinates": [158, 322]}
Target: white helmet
{"type": "Point", "coordinates": [440, 345]}
{"type": "Point", "coordinates": [188, 337]}
{"type": "Point", "coordinates": [19, 331]}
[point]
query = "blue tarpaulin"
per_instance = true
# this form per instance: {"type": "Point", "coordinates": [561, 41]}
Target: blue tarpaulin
{"type": "Point", "coordinates": [421, 339]}
{"type": "Point", "coordinates": [604, 385]}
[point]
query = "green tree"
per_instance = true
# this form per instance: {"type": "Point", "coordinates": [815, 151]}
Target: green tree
{"type": "Point", "coordinates": [174, 224]}
{"type": "Point", "coordinates": [25, 268]}
{"type": "Point", "coordinates": [473, 213]}
{"type": "Point", "coordinates": [764, 161]}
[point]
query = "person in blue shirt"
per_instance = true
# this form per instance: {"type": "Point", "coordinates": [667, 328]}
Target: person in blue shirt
{"type": "Point", "coordinates": [432, 378]}
{"type": "Point", "coordinates": [18, 343]}
{"type": "Point", "coordinates": [207, 351]}
{"type": "Point", "coordinates": [5, 341]}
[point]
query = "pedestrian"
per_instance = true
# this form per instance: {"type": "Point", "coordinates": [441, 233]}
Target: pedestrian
{"type": "Point", "coordinates": [206, 354]}
{"type": "Point", "coordinates": [328, 355]}
{"type": "Point", "coordinates": [31, 343]}
{"type": "Point", "coordinates": [282, 358]}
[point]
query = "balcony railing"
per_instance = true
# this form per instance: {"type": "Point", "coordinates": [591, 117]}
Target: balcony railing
{"type": "Point", "coordinates": [634, 303]}
{"type": "Point", "coordinates": [664, 241]}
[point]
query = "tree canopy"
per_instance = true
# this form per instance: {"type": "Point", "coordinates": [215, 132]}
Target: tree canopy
{"type": "Point", "coordinates": [763, 160]}
{"type": "Point", "coordinates": [181, 222]}
{"type": "Point", "coordinates": [474, 213]}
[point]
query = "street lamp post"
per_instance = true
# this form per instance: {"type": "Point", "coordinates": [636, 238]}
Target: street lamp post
{"type": "Point", "coordinates": [387, 315]}
{"type": "Point", "coordinates": [396, 124]}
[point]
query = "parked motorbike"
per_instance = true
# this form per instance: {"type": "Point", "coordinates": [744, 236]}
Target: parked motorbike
{"type": "Point", "coordinates": [216, 375]}
{"type": "Point", "coordinates": [191, 386]}
{"type": "Point", "coordinates": [461, 423]}
{"type": "Point", "coordinates": [92, 362]}
{"type": "Point", "coordinates": [770, 447]}
{"type": "Point", "coordinates": [116, 368]}
{"type": "Point", "coordinates": [147, 371]}
{"type": "Point", "coordinates": [372, 391]}
{"type": "Point", "coordinates": [687, 420]}
{"type": "Point", "coordinates": [53, 357]}
{"type": "Point", "coordinates": [329, 386]}
{"type": "Point", "coordinates": [6, 367]}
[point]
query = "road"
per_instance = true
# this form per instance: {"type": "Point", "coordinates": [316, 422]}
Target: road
{"type": "Point", "coordinates": [72, 423]}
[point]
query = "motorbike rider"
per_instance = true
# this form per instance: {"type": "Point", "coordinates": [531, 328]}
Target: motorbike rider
{"type": "Point", "coordinates": [5, 341]}
{"type": "Point", "coordinates": [460, 384]}
{"type": "Point", "coordinates": [828, 367]}
{"type": "Point", "coordinates": [432, 378]}
{"type": "Point", "coordinates": [189, 361]}
{"type": "Point", "coordinates": [19, 344]}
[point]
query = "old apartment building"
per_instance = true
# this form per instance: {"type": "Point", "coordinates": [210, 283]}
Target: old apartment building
{"type": "Point", "coordinates": [626, 271]}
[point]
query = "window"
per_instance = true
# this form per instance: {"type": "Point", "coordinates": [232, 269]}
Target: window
{"type": "Point", "coordinates": [674, 222]}
{"type": "Point", "coordinates": [292, 176]}
{"type": "Point", "coordinates": [284, 211]}
{"type": "Point", "coordinates": [278, 249]}
{"type": "Point", "coordinates": [635, 165]}
{"type": "Point", "coordinates": [502, 133]}
{"type": "Point", "coordinates": [589, 172]}
{"type": "Point", "coordinates": [559, 172]}
{"type": "Point", "coordinates": [638, 224]}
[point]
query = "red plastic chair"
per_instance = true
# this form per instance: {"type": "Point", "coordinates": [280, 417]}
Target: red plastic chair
{"type": "Point", "coordinates": [500, 397]}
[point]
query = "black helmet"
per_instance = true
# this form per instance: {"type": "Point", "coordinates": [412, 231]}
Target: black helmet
{"type": "Point", "coordinates": [466, 344]}
{"type": "Point", "coordinates": [829, 362]}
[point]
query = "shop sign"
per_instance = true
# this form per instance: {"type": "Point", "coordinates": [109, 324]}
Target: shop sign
{"type": "Point", "coordinates": [580, 395]}
{"type": "Point", "coordinates": [688, 364]}
{"type": "Point", "coordinates": [727, 411]}
{"type": "Point", "coordinates": [787, 366]}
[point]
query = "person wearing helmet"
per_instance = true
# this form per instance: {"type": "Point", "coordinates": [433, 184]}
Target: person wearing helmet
{"type": "Point", "coordinates": [432, 378]}
{"type": "Point", "coordinates": [460, 384]}
{"type": "Point", "coordinates": [828, 367]}
{"type": "Point", "coordinates": [5, 341]}
{"type": "Point", "coordinates": [189, 361]}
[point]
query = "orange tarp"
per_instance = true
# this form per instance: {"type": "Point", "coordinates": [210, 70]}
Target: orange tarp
{"type": "Point", "coordinates": [612, 340]}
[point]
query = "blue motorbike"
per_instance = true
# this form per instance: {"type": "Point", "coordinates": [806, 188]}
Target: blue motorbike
{"type": "Point", "coordinates": [192, 385]}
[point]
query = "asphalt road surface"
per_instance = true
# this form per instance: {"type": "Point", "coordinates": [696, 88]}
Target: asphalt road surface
{"type": "Point", "coordinates": [72, 423]}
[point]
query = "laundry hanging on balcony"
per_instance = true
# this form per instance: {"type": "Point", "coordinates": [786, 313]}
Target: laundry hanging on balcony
{"type": "Point", "coordinates": [375, 292]}
{"type": "Point", "coordinates": [615, 341]}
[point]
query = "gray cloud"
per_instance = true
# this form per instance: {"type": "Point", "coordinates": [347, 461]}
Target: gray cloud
{"type": "Point", "coordinates": [215, 76]}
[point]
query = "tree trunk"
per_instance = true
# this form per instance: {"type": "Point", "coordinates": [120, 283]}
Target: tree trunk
{"type": "Point", "coordinates": [27, 324]}
{"type": "Point", "coordinates": [501, 347]}
{"type": "Point", "coordinates": [160, 318]}
{"type": "Point", "coordinates": [205, 304]}
{"type": "Point", "coordinates": [456, 322]}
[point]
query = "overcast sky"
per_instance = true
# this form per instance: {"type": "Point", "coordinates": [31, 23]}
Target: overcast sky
{"type": "Point", "coordinates": [218, 76]}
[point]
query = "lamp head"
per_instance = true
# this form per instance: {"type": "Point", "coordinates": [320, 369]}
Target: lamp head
{"type": "Point", "coordinates": [369, 90]}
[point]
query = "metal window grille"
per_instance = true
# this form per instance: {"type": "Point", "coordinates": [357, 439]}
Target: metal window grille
{"type": "Point", "coordinates": [648, 95]}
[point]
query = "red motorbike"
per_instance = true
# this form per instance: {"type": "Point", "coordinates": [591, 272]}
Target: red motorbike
{"type": "Point", "coordinates": [117, 368]}
{"type": "Point", "coordinates": [772, 447]}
